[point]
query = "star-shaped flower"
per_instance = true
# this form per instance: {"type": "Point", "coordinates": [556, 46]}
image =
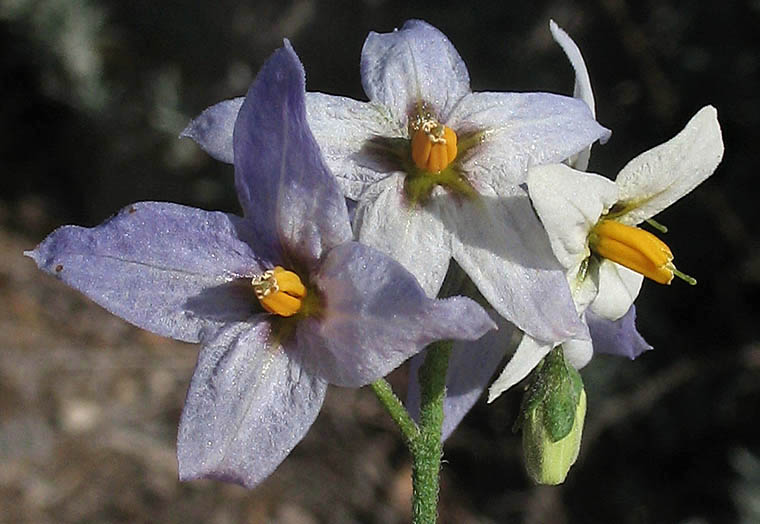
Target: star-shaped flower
{"type": "Point", "coordinates": [283, 301]}
{"type": "Point", "coordinates": [435, 169]}
{"type": "Point", "coordinates": [591, 223]}
{"type": "Point", "coordinates": [468, 377]}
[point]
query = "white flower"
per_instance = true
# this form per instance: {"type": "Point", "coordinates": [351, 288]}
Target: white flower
{"type": "Point", "coordinates": [591, 223]}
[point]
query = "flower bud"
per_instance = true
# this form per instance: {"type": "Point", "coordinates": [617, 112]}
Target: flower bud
{"type": "Point", "coordinates": [553, 411]}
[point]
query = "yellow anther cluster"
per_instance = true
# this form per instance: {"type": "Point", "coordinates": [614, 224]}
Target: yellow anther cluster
{"type": "Point", "coordinates": [434, 146]}
{"type": "Point", "coordinates": [633, 248]}
{"type": "Point", "coordinates": [280, 291]}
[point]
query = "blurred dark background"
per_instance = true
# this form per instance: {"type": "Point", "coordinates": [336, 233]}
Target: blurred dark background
{"type": "Point", "coordinates": [94, 94]}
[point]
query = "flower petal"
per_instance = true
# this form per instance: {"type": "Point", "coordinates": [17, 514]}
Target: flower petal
{"type": "Point", "coordinates": [569, 203]}
{"type": "Point", "coordinates": [502, 247]}
{"type": "Point", "coordinates": [521, 130]}
{"type": "Point", "coordinates": [282, 181]}
{"type": "Point", "coordinates": [471, 366]}
{"type": "Point", "coordinates": [413, 65]}
{"type": "Point", "coordinates": [527, 356]}
{"type": "Point", "coordinates": [344, 129]}
{"type": "Point", "coordinates": [655, 179]}
{"type": "Point", "coordinates": [166, 268]}
{"type": "Point", "coordinates": [376, 316]}
{"type": "Point", "coordinates": [582, 89]}
{"type": "Point", "coordinates": [618, 288]}
{"type": "Point", "coordinates": [617, 337]}
{"type": "Point", "coordinates": [578, 352]}
{"type": "Point", "coordinates": [212, 129]}
{"type": "Point", "coordinates": [249, 403]}
{"type": "Point", "coordinates": [414, 236]}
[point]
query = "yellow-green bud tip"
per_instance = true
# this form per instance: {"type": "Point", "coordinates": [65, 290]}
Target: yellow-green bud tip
{"type": "Point", "coordinates": [548, 462]}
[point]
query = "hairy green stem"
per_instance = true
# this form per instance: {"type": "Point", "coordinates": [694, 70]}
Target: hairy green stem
{"type": "Point", "coordinates": [427, 448]}
{"type": "Point", "coordinates": [397, 411]}
{"type": "Point", "coordinates": [423, 440]}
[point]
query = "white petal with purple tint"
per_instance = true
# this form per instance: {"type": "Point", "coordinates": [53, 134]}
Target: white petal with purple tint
{"type": "Point", "coordinates": [520, 130]}
{"type": "Point", "coordinates": [410, 66]}
{"type": "Point", "coordinates": [212, 129]}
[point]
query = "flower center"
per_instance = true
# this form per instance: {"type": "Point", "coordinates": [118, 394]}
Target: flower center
{"type": "Point", "coordinates": [280, 291]}
{"type": "Point", "coordinates": [635, 249]}
{"type": "Point", "coordinates": [434, 146]}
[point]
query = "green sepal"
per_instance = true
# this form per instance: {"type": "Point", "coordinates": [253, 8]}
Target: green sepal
{"type": "Point", "coordinates": [555, 388]}
{"type": "Point", "coordinates": [551, 417]}
{"type": "Point", "coordinates": [419, 185]}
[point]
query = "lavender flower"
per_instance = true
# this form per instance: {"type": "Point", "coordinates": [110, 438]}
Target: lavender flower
{"type": "Point", "coordinates": [282, 300]}
{"type": "Point", "coordinates": [436, 168]}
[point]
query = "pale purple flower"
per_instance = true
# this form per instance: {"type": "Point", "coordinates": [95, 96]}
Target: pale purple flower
{"type": "Point", "coordinates": [475, 212]}
{"type": "Point", "coordinates": [467, 377]}
{"type": "Point", "coordinates": [187, 273]}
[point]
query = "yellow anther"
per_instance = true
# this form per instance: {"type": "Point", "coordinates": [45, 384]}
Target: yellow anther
{"type": "Point", "coordinates": [434, 146]}
{"type": "Point", "coordinates": [280, 291]}
{"type": "Point", "coordinates": [633, 248]}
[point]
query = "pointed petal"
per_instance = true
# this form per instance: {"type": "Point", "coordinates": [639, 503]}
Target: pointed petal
{"type": "Point", "coordinates": [618, 337]}
{"type": "Point", "coordinates": [344, 129]}
{"type": "Point", "coordinates": [282, 181]}
{"type": "Point", "coordinates": [521, 130]}
{"type": "Point", "coordinates": [414, 236]}
{"type": "Point", "coordinates": [471, 366]}
{"type": "Point", "coordinates": [503, 248]}
{"type": "Point", "coordinates": [582, 89]}
{"type": "Point", "coordinates": [376, 316]}
{"type": "Point", "coordinates": [618, 288]}
{"type": "Point", "coordinates": [527, 356]}
{"type": "Point", "coordinates": [166, 268]}
{"type": "Point", "coordinates": [212, 129]}
{"type": "Point", "coordinates": [249, 403]}
{"type": "Point", "coordinates": [655, 179]}
{"type": "Point", "coordinates": [569, 203]}
{"type": "Point", "coordinates": [410, 66]}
